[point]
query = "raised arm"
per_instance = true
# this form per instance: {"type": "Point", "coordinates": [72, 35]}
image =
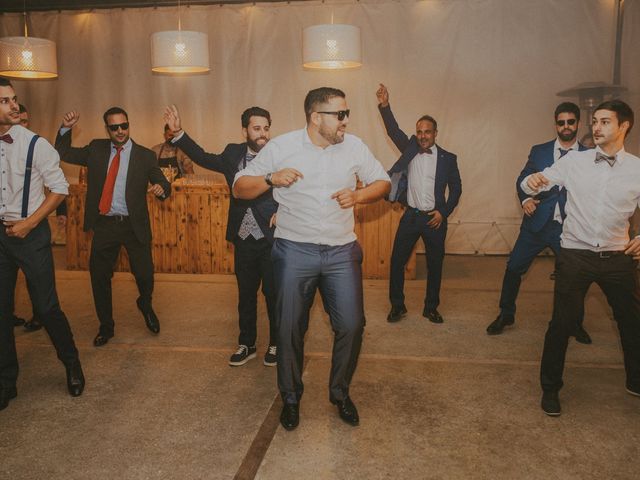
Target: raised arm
{"type": "Point", "coordinates": [69, 154]}
{"type": "Point", "coordinates": [397, 136]}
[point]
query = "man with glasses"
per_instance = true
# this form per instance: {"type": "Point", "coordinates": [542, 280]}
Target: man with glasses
{"type": "Point", "coordinates": [118, 173]}
{"type": "Point", "coordinates": [543, 217]}
{"type": "Point", "coordinates": [313, 174]}
{"type": "Point", "coordinates": [423, 172]}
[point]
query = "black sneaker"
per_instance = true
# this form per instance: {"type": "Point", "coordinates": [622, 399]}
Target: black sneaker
{"type": "Point", "coordinates": [242, 355]}
{"type": "Point", "coordinates": [17, 321]}
{"type": "Point", "coordinates": [635, 391]}
{"type": "Point", "coordinates": [270, 359]}
{"type": "Point", "coordinates": [550, 403]}
{"type": "Point", "coordinates": [433, 316]}
{"type": "Point", "coordinates": [396, 313]}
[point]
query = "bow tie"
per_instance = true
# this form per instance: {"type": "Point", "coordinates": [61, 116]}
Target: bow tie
{"type": "Point", "coordinates": [428, 150]}
{"type": "Point", "coordinates": [249, 156]}
{"type": "Point", "coordinates": [6, 138]}
{"type": "Point", "coordinates": [611, 159]}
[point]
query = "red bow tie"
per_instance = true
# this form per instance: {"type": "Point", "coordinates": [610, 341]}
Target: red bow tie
{"type": "Point", "coordinates": [6, 138]}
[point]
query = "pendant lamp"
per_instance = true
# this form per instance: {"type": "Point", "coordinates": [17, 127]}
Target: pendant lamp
{"type": "Point", "coordinates": [331, 46]}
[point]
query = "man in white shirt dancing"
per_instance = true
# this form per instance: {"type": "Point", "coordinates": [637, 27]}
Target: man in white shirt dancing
{"type": "Point", "coordinates": [603, 190]}
{"type": "Point", "coordinates": [313, 172]}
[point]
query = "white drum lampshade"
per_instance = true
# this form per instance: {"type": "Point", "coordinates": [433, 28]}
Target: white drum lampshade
{"type": "Point", "coordinates": [28, 57]}
{"type": "Point", "coordinates": [180, 51]}
{"type": "Point", "coordinates": [331, 46]}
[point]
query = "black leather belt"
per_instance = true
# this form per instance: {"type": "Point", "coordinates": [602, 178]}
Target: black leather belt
{"type": "Point", "coordinates": [115, 218]}
{"type": "Point", "coordinates": [421, 212]}
{"type": "Point", "coordinates": [603, 254]}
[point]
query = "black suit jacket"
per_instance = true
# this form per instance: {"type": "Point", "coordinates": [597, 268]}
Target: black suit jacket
{"type": "Point", "coordinates": [447, 173]}
{"type": "Point", "coordinates": [143, 169]}
{"type": "Point", "coordinates": [228, 163]}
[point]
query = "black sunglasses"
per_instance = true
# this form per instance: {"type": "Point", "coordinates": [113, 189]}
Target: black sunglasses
{"type": "Point", "coordinates": [123, 126]}
{"type": "Point", "coordinates": [340, 114]}
{"type": "Point", "coordinates": [571, 121]}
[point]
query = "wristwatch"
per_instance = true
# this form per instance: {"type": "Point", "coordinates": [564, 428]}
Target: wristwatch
{"type": "Point", "coordinates": [267, 178]}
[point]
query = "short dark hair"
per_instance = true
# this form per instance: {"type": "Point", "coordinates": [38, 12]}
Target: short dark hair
{"type": "Point", "coordinates": [621, 109]}
{"type": "Point", "coordinates": [254, 112]}
{"type": "Point", "coordinates": [429, 118]}
{"type": "Point", "coordinates": [22, 108]}
{"type": "Point", "coordinates": [567, 107]}
{"type": "Point", "coordinates": [319, 96]}
{"type": "Point", "coordinates": [4, 82]}
{"type": "Point", "coordinates": [114, 111]}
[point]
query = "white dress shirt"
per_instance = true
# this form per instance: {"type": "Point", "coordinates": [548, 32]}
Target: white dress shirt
{"type": "Point", "coordinates": [421, 177]}
{"type": "Point", "coordinates": [306, 211]}
{"type": "Point", "coordinates": [600, 198]}
{"type": "Point", "coordinates": [46, 172]}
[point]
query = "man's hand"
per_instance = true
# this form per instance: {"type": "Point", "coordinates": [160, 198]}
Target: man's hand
{"type": "Point", "coordinates": [285, 177]}
{"type": "Point", "coordinates": [69, 119]}
{"type": "Point", "coordinates": [172, 118]}
{"type": "Point", "coordinates": [62, 221]}
{"type": "Point", "coordinates": [19, 228]}
{"type": "Point", "coordinates": [346, 197]}
{"type": "Point", "coordinates": [383, 96]}
{"type": "Point", "coordinates": [536, 181]}
{"type": "Point", "coordinates": [633, 248]}
{"type": "Point", "coordinates": [157, 190]}
{"type": "Point", "coordinates": [529, 206]}
{"type": "Point", "coordinates": [437, 219]}
{"type": "Point", "coordinates": [272, 221]}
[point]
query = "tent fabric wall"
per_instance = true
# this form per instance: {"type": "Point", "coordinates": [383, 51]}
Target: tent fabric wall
{"type": "Point", "coordinates": [487, 70]}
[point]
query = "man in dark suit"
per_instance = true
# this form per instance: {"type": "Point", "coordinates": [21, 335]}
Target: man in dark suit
{"type": "Point", "coordinates": [543, 216]}
{"type": "Point", "coordinates": [249, 227]}
{"type": "Point", "coordinates": [419, 180]}
{"type": "Point", "coordinates": [118, 173]}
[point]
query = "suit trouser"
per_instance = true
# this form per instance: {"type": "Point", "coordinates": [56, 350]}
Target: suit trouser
{"type": "Point", "coordinates": [618, 278]}
{"type": "Point", "coordinates": [527, 247]}
{"type": "Point", "coordinates": [109, 235]}
{"type": "Point", "coordinates": [412, 226]}
{"type": "Point", "coordinates": [252, 260]}
{"type": "Point", "coordinates": [34, 257]}
{"type": "Point", "coordinates": [299, 269]}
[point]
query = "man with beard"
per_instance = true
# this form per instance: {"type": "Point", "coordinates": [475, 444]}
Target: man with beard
{"type": "Point", "coordinates": [603, 191]}
{"type": "Point", "coordinates": [543, 217]}
{"type": "Point", "coordinates": [249, 226]}
{"type": "Point", "coordinates": [118, 174]}
{"type": "Point", "coordinates": [29, 163]}
{"type": "Point", "coordinates": [313, 175]}
{"type": "Point", "coordinates": [425, 171]}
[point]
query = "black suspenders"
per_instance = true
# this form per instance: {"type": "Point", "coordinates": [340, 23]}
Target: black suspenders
{"type": "Point", "coordinates": [27, 177]}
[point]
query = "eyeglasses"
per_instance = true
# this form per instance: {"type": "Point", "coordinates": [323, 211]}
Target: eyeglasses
{"type": "Point", "coordinates": [123, 126]}
{"type": "Point", "coordinates": [571, 121]}
{"type": "Point", "coordinates": [341, 114]}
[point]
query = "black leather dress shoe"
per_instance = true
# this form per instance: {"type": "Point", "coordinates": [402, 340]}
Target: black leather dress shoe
{"type": "Point", "coordinates": [582, 336]}
{"type": "Point", "coordinates": [101, 340]}
{"type": "Point", "coordinates": [348, 412]}
{"type": "Point", "coordinates": [290, 416]}
{"type": "Point", "coordinates": [433, 316]}
{"type": "Point", "coordinates": [75, 379]}
{"type": "Point", "coordinates": [6, 394]}
{"type": "Point", "coordinates": [550, 404]}
{"type": "Point", "coordinates": [32, 325]}
{"type": "Point", "coordinates": [17, 321]}
{"type": "Point", "coordinates": [150, 318]}
{"type": "Point", "coordinates": [501, 321]}
{"type": "Point", "coordinates": [396, 313]}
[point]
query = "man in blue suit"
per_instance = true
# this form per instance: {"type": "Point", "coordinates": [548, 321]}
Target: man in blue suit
{"type": "Point", "coordinates": [543, 216]}
{"type": "Point", "coordinates": [419, 180]}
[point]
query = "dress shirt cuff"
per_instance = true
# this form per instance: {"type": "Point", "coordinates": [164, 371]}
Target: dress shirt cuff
{"type": "Point", "coordinates": [178, 136]}
{"type": "Point", "coordinates": [525, 188]}
{"type": "Point", "coordinates": [64, 130]}
{"type": "Point", "coordinates": [526, 200]}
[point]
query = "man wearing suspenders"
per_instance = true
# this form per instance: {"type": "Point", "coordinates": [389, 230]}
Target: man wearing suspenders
{"type": "Point", "coordinates": [28, 164]}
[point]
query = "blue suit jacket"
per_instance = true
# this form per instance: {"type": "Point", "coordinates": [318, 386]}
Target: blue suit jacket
{"type": "Point", "coordinates": [541, 157]}
{"type": "Point", "coordinates": [227, 163]}
{"type": "Point", "coordinates": [447, 174]}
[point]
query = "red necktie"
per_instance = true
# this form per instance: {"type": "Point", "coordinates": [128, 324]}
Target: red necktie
{"type": "Point", "coordinates": [109, 184]}
{"type": "Point", "coordinates": [6, 138]}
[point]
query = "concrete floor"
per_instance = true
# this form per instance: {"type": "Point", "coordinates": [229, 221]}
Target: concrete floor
{"type": "Point", "coordinates": [435, 401]}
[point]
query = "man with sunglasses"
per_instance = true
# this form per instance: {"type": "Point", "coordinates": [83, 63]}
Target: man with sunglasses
{"type": "Point", "coordinates": [313, 174]}
{"type": "Point", "coordinates": [249, 226]}
{"type": "Point", "coordinates": [422, 174]}
{"type": "Point", "coordinates": [543, 216]}
{"type": "Point", "coordinates": [118, 173]}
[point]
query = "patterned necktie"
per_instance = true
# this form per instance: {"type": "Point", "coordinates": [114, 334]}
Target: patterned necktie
{"type": "Point", "coordinates": [611, 159]}
{"type": "Point", "coordinates": [6, 138]}
{"type": "Point", "coordinates": [109, 184]}
{"type": "Point", "coordinates": [247, 158]}
{"type": "Point", "coordinates": [563, 152]}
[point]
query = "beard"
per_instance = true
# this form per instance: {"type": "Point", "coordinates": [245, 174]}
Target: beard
{"type": "Point", "coordinates": [567, 135]}
{"type": "Point", "coordinates": [253, 144]}
{"type": "Point", "coordinates": [332, 137]}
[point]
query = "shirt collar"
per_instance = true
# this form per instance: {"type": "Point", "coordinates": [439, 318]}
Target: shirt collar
{"type": "Point", "coordinates": [575, 146]}
{"type": "Point", "coordinates": [125, 147]}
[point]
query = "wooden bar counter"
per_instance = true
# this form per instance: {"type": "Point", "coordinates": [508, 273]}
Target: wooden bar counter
{"type": "Point", "coordinates": [189, 232]}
